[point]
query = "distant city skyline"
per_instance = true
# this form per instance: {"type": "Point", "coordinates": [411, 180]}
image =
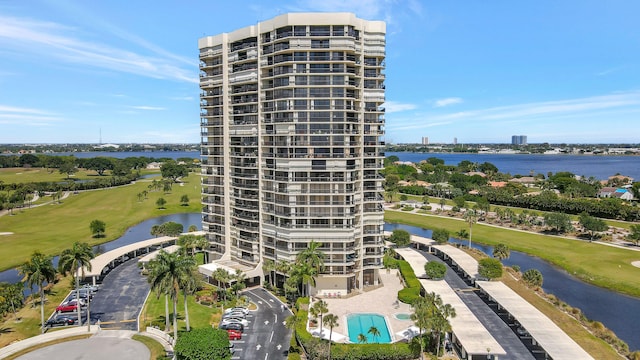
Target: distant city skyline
{"type": "Point", "coordinates": [560, 72]}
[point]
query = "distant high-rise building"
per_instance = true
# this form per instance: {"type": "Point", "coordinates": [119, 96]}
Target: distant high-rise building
{"type": "Point", "coordinates": [425, 140]}
{"type": "Point", "coordinates": [292, 146]}
{"type": "Point", "coordinates": [455, 141]}
{"type": "Point", "coordinates": [519, 140]}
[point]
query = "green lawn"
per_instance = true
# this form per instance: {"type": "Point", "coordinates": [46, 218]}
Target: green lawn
{"type": "Point", "coordinates": [199, 315]}
{"type": "Point", "coordinates": [24, 175]}
{"type": "Point", "coordinates": [53, 228]}
{"type": "Point", "coordinates": [605, 266]}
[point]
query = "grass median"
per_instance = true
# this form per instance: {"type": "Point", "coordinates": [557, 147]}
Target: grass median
{"type": "Point", "coordinates": [604, 266]}
{"type": "Point", "coordinates": [54, 227]}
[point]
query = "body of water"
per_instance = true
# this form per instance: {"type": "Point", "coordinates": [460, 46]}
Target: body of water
{"type": "Point", "coordinates": [618, 312]}
{"type": "Point", "coordinates": [600, 167]}
{"type": "Point", "coordinates": [139, 232]}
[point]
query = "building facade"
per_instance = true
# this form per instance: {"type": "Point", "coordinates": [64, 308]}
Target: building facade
{"type": "Point", "coordinates": [292, 125]}
{"type": "Point", "coordinates": [425, 140]}
{"type": "Point", "coordinates": [519, 140]}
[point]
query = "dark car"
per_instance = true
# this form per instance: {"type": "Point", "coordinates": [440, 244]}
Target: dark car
{"type": "Point", "coordinates": [231, 326]}
{"type": "Point", "coordinates": [61, 320]}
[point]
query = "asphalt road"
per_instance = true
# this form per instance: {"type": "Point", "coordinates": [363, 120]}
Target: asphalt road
{"type": "Point", "coordinates": [266, 337]}
{"type": "Point", "coordinates": [120, 298]}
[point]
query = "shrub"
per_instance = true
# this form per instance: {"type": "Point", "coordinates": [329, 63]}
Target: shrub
{"type": "Point", "coordinates": [412, 291]}
{"type": "Point", "coordinates": [533, 278]}
{"type": "Point", "coordinates": [516, 268]}
{"type": "Point", "coordinates": [426, 207]}
{"type": "Point", "coordinates": [407, 208]}
{"type": "Point", "coordinates": [441, 236]}
{"type": "Point", "coordinates": [400, 237]}
{"type": "Point", "coordinates": [204, 343]}
{"type": "Point", "coordinates": [490, 268]}
{"type": "Point", "coordinates": [435, 269]}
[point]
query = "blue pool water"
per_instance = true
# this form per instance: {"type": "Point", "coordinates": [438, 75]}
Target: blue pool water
{"type": "Point", "coordinates": [361, 323]}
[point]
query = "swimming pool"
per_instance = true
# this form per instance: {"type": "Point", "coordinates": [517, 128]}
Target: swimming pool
{"type": "Point", "coordinates": [361, 323]}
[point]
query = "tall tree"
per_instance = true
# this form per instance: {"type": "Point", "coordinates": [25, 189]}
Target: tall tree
{"type": "Point", "coordinates": [320, 308]}
{"type": "Point", "coordinates": [471, 218]}
{"type": "Point", "coordinates": [239, 277]}
{"type": "Point", "coordinates": [269, 266]}
{"type": "Point", "coordinates": [166, 275]}
{"type": "Point", "coordinates": [75, 260]}
{"type": "Point", "coordinates": [331, 321]}
{"type": "Point", "coordinates": [314, 258]}
{"type": "Point", "coordinates": [97, 227]}
{"type": "Point", "coordinates": [592, 224]}
{"type": "Point", "coordinates": [38, 270]}
{"type": "Point", "coordinates": [223, 278]}
{"type": "Point", "coordinates": [190, 283]}
{"type": "Point", "coordinates": [172, 170]}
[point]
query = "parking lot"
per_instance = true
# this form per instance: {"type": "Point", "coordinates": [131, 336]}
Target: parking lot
{"type": "Point", "coordinates": [265, 337]}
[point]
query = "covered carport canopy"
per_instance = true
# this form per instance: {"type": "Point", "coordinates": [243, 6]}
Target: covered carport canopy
{"type": "Point", "coordinates": [142, 247]}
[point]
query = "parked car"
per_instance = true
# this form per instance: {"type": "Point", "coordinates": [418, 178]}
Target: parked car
{"type": "Point", "coordinates": [237, 320]}
{"type": "Point", "coordinates": [83, 295]}
{"type": "Point", "coordinates": [61, 320]}
{"type": "Point", "coordinates": [71, 305]}
{"type": "Point", "coordinates": [231, 326]}
{"type": "Point", "coordinates": [92, 288]}
{"type": "Point", "coordinates": [237, 308]}
{"type": "Point", "coordinates": [234, 334]}
{"type": "Point", "coordinates": [236, 314]}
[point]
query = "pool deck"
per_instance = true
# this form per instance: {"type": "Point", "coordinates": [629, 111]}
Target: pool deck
{"type": "Point", "coordinates": [382, 300]}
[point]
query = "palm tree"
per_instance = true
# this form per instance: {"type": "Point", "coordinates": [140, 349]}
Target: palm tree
{"type": "Point", "coordinates": [304, 274]}
{"type": "Point", "coordinates": [501, 251]}
{"type": "Point", "coordinates": [362, 338]}
{"type": "Point", "coordinates": [320, 308]}
{"type": "Point", "coordinates": [441, 320]}
{"type": "Point", "coordinates": [76, 259]}
{"type": "Point", "coordinates": [313, 257]}
{"type": "Point", "coordinates": [166, 275]}
{"type": "Point", "coordinates": [189, 283]}
{"type": "Point", "coordinates": [421, 317]}
{"type": "Point", "coordinates": [269, 266]}
{"type": "Point", "coordinates": [470, 217]}
{"type": "Point", "coordinates": [192, 242]}
{"type": "Point", "coordinates": [37, 271]}
{"type": "Point", "coordinates": [239, 283]}
{"type": "Point", "coordinates": [374, 332]}
{"type": "Point", "coordinates": [331, 321]}
{"type": "Point", "coordinates": [223, 277]}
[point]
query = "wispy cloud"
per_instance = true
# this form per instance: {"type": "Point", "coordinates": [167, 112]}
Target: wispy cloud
{"type": "Point", "coordinates": [624, 101]}
{"type": "Point", "coordinates": [609, 71]}
{"type": "Point", "coordinates": [181, 98]}
{"type": "Point", "coordinates": [144, 107]}
{"type": "Point", "coordinates": [368, 9]}
{"type": "Point", "coordinates": [61, 42]}
{"type": "Point", "coordinates": [447, 101]}
{"type": "Point", "coordinates": [26, 116]}
{"type": "Point", "coordinates": [393, 106]}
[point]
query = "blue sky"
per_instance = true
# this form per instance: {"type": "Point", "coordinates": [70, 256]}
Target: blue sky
{"type": "Point", "coordinates": [556, 71]}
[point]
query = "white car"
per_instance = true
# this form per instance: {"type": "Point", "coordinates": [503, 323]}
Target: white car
{"type": "Point", "coordinates": [234, 320]}
{"type": "Point", "coordinates": [238, 308]}
{"type": "Point", "coordinates": [238, 314]}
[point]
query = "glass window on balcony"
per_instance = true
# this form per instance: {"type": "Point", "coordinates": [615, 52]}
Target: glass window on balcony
{"type": "Point", "coordinates": [300, 30]}
{"type": "Point", "coordinates": [338, 30]}
{"type": "Point", "coordinates": [321, 30]}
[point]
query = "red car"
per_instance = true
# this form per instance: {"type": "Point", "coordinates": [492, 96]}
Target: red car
{"type": "Point", "coordinates": [234, 334]}
{"type": "Point", "coordinates": [71, 305]}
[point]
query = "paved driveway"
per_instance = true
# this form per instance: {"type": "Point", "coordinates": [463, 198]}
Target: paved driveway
{"type": "Point", "coordinates": [121, 297]}
{"type": "Point", "coordinates": [266, 337]}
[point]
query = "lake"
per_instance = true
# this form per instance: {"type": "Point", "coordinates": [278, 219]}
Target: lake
{"type": "Point", "coordinates": [618, 312]}
{"type": "Point", "coordinates": [600, 167]}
